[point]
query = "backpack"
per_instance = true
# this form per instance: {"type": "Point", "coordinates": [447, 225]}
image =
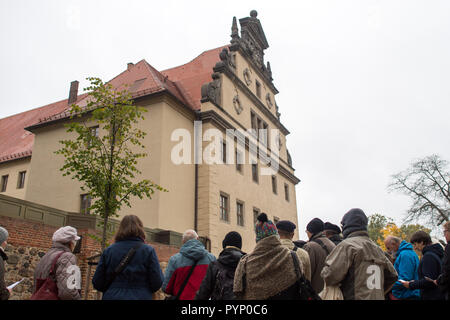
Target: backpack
{"type": "Point", "coordinates": [223, 286]}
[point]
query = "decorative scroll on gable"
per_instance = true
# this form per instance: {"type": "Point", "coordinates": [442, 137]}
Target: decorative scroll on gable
{"type": "Point", "coordinates": [252, 42]}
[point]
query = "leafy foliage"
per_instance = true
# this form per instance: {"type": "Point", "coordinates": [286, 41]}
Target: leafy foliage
{"type": "Point", "coordinates": [105, 160]}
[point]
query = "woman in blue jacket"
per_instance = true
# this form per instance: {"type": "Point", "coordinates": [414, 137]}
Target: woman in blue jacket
{"type": "Point", "coordinates": [141, 277]}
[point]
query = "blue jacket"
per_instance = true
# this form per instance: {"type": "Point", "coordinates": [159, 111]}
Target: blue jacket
{"type": "Point", "coordinates": [406, 264]}
{"type": "Point", "coordinates": [179, 266]}
{"type": "Point", "coordinates": [140, 278]}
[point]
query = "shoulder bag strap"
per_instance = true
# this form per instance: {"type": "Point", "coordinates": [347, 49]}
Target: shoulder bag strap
{"type": "Point", "coordinates": [186, 281]}
{"type": "Point", "coordinates": [324, 247]}
{"type": "Point", "coordinates": [52, 270]}
{"type": "Point", "coordinates": [123, 263]}
{"type": "Point", "coordinates": [296, 265]}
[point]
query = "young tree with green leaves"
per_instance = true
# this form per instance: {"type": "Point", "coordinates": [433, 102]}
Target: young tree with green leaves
{"type": "Point", "coordinates": [105, 160]}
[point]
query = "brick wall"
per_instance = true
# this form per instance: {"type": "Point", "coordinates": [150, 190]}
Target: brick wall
{"type": "Point", "coordinates": [28, 241]}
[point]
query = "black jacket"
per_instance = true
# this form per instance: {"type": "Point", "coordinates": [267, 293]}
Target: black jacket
{"type": "Point", "coordinates": [226, 263]}
{"type": "Point", "coordinates": [4, 292]}
{"type": "Point", "coordinates": [429, 266]}
{"type": "Point", "coordinates": [444, 278]}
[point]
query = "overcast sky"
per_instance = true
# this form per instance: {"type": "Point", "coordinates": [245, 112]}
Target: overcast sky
{"type": "Point", "coordinates": [364, 85]}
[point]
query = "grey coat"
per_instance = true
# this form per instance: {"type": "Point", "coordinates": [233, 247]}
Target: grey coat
{"type": "Point", "coordinates": [63, 273]}
{"type": "Point", "coordinates": [4, 292]}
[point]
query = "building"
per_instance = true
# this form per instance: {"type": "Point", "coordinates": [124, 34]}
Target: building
{"type": "Point", "coordinates": [229, 87]}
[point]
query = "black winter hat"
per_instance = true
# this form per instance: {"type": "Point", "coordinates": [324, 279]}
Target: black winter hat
{"type": "Point", "coordinates": [286, 225]}
{"type": "Point", "coordinates": [331, 227]}
{"type": "Point", "coordinates": [315, 226]}
{"type": "Point", "coordinates": [232, 239]}
{"type": "Point", "coordinates": [354, 220]}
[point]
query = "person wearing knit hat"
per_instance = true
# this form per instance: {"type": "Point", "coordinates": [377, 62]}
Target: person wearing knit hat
{"type": "Point", "coordinates": [268, 272]}
{"type": "Point", "coordinates": [232, 239]}
{"type": "Point", "coordinates": [264, 227]}
{"type": "Point", "coordinates": [314, 227]}
{"type": "Point", "coordinates": [219, 279]}
{"type": "Point", "coordinates": [318, 248]}
{"type": "Point", "coordinates": [332, 232]}
{"type": "Point", "coordinates": [63, 242]}
{"type": "Point", "coordinates": [4, 291]}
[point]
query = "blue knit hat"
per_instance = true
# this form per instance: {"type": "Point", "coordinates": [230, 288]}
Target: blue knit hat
{"type": "Point", "coordinates": [264, 227]}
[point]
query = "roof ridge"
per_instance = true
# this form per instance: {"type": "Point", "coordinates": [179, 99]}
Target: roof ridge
{"type": "Point", "coordinates": [181, 65]}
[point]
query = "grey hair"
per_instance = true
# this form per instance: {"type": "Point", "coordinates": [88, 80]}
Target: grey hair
{"type": "Point", "coordinates": [394, 239]}
{"type": "Point", "coordinates": [189, 235]}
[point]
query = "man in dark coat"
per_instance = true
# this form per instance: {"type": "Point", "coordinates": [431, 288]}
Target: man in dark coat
{"type": "Point", "coordinates": [218, 282]}
{"type": "Point", "coordinates": [318, 248]}
{"type": "Point", "coordinates": [430, 267]}
{"type": "Point", "coordinates": [444, 279]}
{"type": "Point", "coordinates": [332, 232]}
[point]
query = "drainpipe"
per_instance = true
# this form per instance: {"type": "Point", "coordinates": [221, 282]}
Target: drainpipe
{"type": "Point", "coordinates": [197, 118]}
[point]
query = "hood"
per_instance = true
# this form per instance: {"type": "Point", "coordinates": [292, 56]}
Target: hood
{"type": "Point", "coordinates": [354, 220]}
{"type": "Point", "coordinates": [230, 257]}
{"type": "Point", "coordinates": [436, 248]}
{"type": "Point", "coordinates": [193, 249]}
{"type": "Point", "coordinates": [404, 246]}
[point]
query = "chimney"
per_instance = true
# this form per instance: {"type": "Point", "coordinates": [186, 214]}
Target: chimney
{"type": "Point", "coordinates": [129, 65]}
{"type": "Point", "coordinates": [73, 93]}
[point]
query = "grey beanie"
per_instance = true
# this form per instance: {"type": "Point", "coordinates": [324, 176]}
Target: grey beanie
{"type": "Point", "coordinates": [3, 235]}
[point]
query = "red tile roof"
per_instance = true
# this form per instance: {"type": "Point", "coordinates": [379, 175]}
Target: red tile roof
{"type": "Point", "coordinates": [183, 82]}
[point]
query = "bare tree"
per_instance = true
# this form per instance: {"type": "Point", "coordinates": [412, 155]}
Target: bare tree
{"type": "Point", "coordinates": [427, 182]}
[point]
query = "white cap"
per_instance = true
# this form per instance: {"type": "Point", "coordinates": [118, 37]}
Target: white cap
{"type": "Point", "coordinates": [65, 235]}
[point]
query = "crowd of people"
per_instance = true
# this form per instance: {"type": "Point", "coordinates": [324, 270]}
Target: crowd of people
{"type": "Point", "coordinates": [334, 264]}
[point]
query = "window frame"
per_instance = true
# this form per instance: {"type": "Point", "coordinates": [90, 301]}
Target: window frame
{"type": "Point", "coordinates": [227, 207]}
{"type": "Point", "coordinates": [241, 204]}
{"type": "Point", "coordinates": [21, 179]}
{"type": "Point", "coordinates": [85, 209]}
{"type": "Point", "coordinates": [4, 183]}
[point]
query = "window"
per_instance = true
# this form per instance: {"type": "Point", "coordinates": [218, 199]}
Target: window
{"type": "Point", "coordinates": [4, 183]}
{"type": "Point", "coordinates": [274, 184]}
{"type": "Point", "coordinates": [255, 172]}
{"type": "Point", "coordinates": [286, 192]}
{"type": "Point", "coordinates": [85, 204]}
{"type": "Point", "coordinates": [275, 220]}
{"type": "Point", "coordinates": [253, 120]}
{"type": "Point", "coordinates": [224, 152]}
{"type": "Point", "coordinates": [239, 161]}
{"type": "Point", "coordinates": [289, 159]}
{"type": "Point", "coordinates": [224, 207]}
{"type": "Point", "coordinates": [240, 213]}
{"type": "Point", "coordinates": [21, 180]}
{"type": "Point", "coordinates": [255, 215]}
{"type": "Point", "coordinates": [94, 133]}
{"type": "Point", "coordinates": [258, 89]}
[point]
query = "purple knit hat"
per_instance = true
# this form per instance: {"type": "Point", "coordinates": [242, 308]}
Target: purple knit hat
{"type": "Point", "coordinates": [264, 227]}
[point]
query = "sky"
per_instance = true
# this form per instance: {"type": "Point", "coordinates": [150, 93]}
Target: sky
{"type": "Point", "coordinates": [364, 84]}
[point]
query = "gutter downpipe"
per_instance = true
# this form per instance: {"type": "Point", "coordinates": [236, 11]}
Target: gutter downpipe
{"type": "Point", "coordinates": [196, 155]}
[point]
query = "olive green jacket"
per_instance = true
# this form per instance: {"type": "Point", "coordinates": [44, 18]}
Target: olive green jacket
{"type": "Point", "coordinates": [360, 267]}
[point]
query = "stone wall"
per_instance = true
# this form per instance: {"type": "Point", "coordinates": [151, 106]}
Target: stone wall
{"type": "Point", "coordinates": [30, 238]}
